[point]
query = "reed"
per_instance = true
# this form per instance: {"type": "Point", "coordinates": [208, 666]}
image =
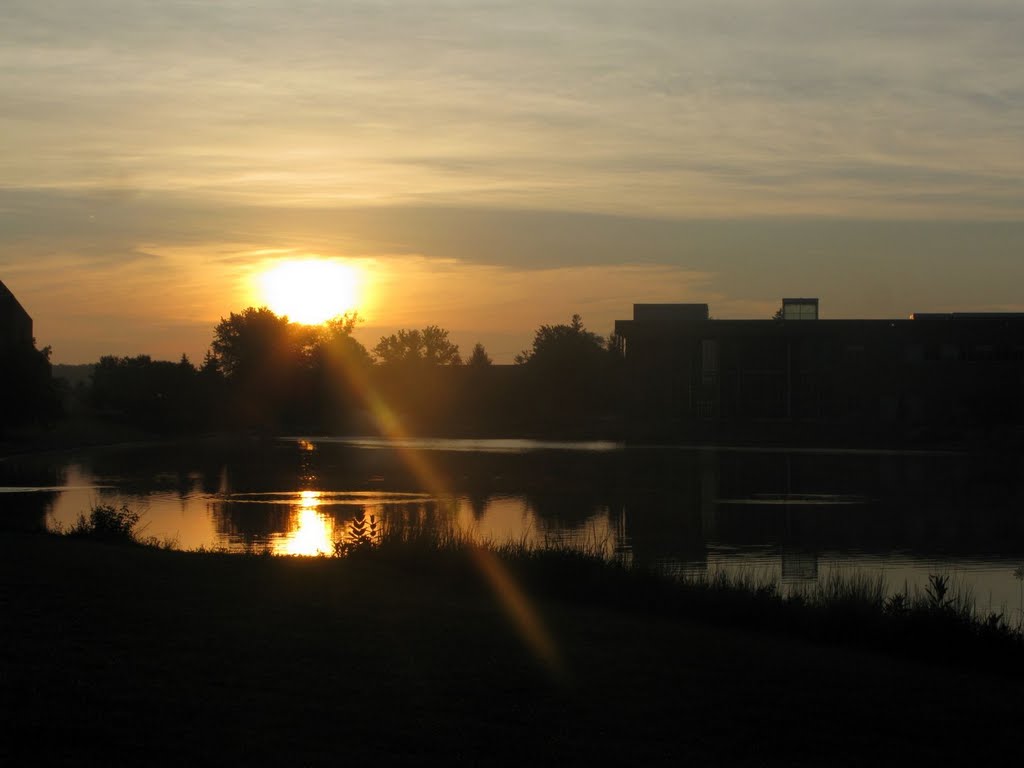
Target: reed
{"type": "Point", "coordinates": [936, 622]}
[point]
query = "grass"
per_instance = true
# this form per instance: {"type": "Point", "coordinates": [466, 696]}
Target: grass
{"type": "Point", "coordinates": [405, 653]}
{"type": "Point", "coordinates": [939, 623]}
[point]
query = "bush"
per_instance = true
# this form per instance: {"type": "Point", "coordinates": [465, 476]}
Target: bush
{"type": "Point", "coordinates": [108, 523]}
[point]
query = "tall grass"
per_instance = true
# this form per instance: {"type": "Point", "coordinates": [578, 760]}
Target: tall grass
{"type": "Point", "coordinates": [936, 623]}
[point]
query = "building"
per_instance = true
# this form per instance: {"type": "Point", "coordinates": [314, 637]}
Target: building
{"type": "Point", "coordinates": [798, 378]}
{"type": "Point", "coordinates": [15, 323]}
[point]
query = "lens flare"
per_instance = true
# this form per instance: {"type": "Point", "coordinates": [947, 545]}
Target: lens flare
{"type": "Point", "coordinates": [522, 613]}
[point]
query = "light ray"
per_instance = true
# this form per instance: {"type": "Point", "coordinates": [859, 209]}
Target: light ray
{"type": "Point", "coordinates": [516, 603]}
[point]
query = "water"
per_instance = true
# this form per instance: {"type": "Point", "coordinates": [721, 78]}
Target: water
{"type": "Point", "coordinates": [794, 515]}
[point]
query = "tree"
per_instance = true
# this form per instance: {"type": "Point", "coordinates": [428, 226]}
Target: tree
{"type": "Point", "coordinates": [257, 354]}
{"type": "Point", "coordinates": [479, 358]}
{"type": "Point", "coordinates": [563, 345]}
{"type": "Point", "coordinates": [336, 342]}
{"type": "Point", "coordinates": [337, 373]}
{"type": "Point", "coordinates": [568, 375]}
{"type": "Point", "coordinates": [429, 346]}
{"type": "Point", "coordinates": [286, 374]}
{"type": "Point", "coordinates": [251, 343]}
{"type": "Point", "coordinates": [154, 394]}
{"type": "Point", "coordinates": [616, 345]}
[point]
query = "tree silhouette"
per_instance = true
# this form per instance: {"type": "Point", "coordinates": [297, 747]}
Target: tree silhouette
{"type": "Point", "coordinates": [335, 341]}
{"type": "Point", "coordinates": [251, 343]}
{"type": "Point", "coordinates": [615, 344]}
{"type": "Point", "coordinates": [337, 366]}
{"type": "Point", "coordinates": [479, 358]}
{"type": "Point", "coordinates": [286, 373]}
{"type": "Point", "coordinates": [568, 375]}
{"type": "Point", "coordinates": [429, 346]}
{"type": "Point", "coordinates": [158, 395]}
{"type": "Point", "coordinates": [559, 346]}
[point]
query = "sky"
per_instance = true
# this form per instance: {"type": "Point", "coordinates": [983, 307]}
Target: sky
{"type": "Point", "coordinates": [491, 166]}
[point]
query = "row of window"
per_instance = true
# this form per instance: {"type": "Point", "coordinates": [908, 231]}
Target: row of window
{"type": "Point", "coordinates": [770, 356]}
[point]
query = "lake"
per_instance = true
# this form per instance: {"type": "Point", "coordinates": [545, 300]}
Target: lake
{"type": "Point", "coordinates": [798, 515]}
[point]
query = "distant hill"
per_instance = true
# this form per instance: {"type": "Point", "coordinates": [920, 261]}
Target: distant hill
{"type": "Point", "coordinates": [74, 374]}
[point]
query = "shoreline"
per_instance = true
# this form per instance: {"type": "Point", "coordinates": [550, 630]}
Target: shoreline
{"type": "Point", "coordinates": [85, 437]}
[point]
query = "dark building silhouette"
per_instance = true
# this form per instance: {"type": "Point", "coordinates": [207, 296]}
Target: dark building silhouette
{"type": "Point", "coordinates": [27, 394]}
{"type": "Point", "coordinates": [15, 323]}
{"type": "Point", "coordinates": [955, 376]}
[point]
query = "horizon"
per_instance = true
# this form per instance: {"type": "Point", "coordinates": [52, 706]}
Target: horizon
{"type": "Point", "coordinates": [370, 343]}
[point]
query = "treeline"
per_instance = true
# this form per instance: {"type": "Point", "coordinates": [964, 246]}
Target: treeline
{"type": "Point", "coordinates": [264, 373]}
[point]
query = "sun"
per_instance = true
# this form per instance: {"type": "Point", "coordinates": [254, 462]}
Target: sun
{"type": "Point", "coordinates": [310, 291]}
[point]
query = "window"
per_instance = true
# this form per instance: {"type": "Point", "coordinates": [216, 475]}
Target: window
{"type": "Point", "coordinates": [799, 309]}
{"type": "Point", "coordinates": [709, 361]}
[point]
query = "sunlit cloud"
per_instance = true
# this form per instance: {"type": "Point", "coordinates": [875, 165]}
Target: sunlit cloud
{"type": "Point", "coordinates": [489, 276]}
{"type": "Point", "coordinates": [677, 110]}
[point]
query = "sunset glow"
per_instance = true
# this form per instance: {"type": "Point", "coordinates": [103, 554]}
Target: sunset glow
{"type": "Point", "coordinates": [310, 291]}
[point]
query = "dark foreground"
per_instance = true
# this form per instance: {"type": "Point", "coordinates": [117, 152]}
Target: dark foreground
{"type": "Point", "coordinates": [129, 655]}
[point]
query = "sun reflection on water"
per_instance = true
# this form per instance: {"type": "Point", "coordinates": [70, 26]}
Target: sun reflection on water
{"type": "Point", "coordinates": [312, 532]}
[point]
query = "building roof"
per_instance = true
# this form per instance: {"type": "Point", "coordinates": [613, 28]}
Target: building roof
{"type": "Point", "coordinates": [9, 300]}
{"type": "Point", "coordinates": [15, 322]}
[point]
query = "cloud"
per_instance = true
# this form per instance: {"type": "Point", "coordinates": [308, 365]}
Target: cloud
{"type": "Point", "coordinates": [155, 259]}
{"type": "Point", "coordinates": [594, 106]}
